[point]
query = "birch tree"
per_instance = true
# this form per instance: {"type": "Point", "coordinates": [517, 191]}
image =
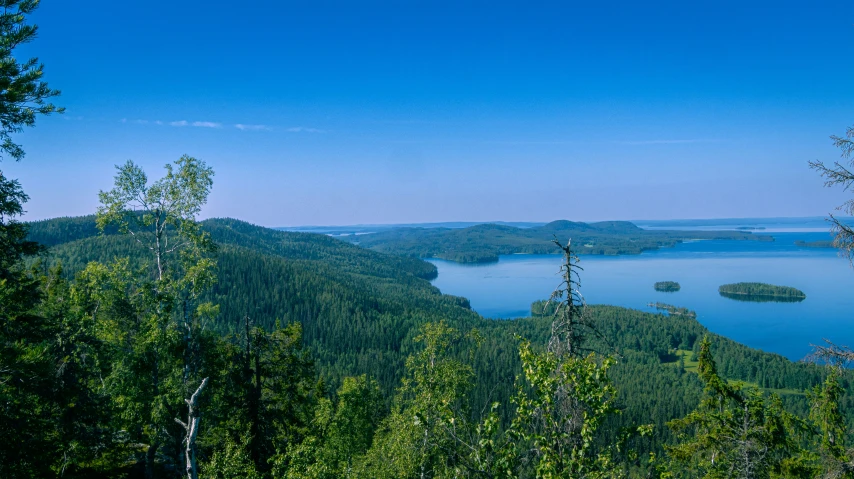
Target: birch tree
{"type": "Point", "coordinates": [164, 340]}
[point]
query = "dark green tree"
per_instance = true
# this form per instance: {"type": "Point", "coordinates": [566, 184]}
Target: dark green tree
{"type": "Point", "coordinates": [341, 432]}
{"type": "Point", "coordinates": [737, 432]}
{"type": "Point", "coordinates": [27, 370]}
{"type": "Point", "coordinates": [427, 432]}
{"type": "Point", "coordinates": [835, 457]}
{"type": "Point", "coordinates": [23, 93]}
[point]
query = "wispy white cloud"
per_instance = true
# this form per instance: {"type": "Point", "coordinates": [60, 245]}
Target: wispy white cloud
{"type": "Point", "coordinates": [302, 129]}
{"type": "Point", "coordinates": [242, 127]}
{"type": "Point", "coordinates": [214, 124]}
{"type": "Point", "coordinates": [666, 142]}
{"type": "Point", "coordinates": [207, 124]}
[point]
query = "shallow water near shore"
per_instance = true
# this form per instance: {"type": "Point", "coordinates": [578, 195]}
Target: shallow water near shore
{"type": "Point", "coordinates": [507, 288]}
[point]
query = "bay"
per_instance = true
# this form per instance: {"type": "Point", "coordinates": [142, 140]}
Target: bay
{"type": "Point", "coordinates": [507, 288]}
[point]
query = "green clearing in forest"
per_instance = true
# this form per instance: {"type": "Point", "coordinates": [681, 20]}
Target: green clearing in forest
{"type": "Point", "coordinates": [691, 367]}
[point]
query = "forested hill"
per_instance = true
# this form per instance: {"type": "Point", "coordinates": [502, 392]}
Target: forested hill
{"type": "Point", "coordinates": [360, 310]}
{"type": "Point", "coordinates": [484, 243]}
{"type": "Point", "coordinates": [227, 231]}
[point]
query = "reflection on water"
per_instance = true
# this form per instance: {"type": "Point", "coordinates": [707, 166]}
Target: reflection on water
{"type": "Point", "coordinates": [507, 288]}
{"type": "Point", "coordinates": [762, 298]}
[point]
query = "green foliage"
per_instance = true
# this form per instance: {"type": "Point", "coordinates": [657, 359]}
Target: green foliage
{"type": "Point", "coordinates": [361, 310]}
{"type": "Point", "coordinates": [161, 217]}
{"type": "Point", "coordinates": [429, 420]}
{"type": "Point", "coordinates": [230, 462]}
{"type": "Point", "coordinates": [155, 322]}
{"type": "Point", "coordinates": [24, 93]}
{"type": "Point", "coordinates": [341, 433]}
{"type": "Point", "coordinates": [558, 422]}
{"type": "Point", "coordinates": [827, 417]}
{"type": "Point", "coordinates": [737, 433]}
{"type": "Point", "coordinates": [14, 243]}
{"type": "Point", "coordinates": [30, 393]}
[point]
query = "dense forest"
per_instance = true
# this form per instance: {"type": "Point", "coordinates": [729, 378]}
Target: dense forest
{"type": "Point", "coordinates": [486, 242]}
{"type": "Point", "coordinates": [355, 313]}
{"type": "Point", "coordinates": [761, 292]}
{"type": "Point", "coordinates": [140, 342]}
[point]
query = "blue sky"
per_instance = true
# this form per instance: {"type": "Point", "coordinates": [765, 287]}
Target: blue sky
{"type": "Point", "coordinates": [407, 111]}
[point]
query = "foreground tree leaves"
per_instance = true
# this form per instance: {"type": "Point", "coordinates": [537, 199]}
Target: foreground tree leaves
{"type": "Point", "coordinates": [738, 432]}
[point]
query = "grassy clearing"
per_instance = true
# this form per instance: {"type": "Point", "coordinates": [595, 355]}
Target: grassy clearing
{"type": "Point", "coordinates": [691, 367]}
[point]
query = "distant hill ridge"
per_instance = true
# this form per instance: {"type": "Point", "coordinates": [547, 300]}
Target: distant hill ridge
{"type": "Point", "coordinates": [486, 242]}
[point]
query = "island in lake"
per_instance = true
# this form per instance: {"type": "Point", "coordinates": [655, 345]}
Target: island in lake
{"type": "Point", "coordinates": [761, 292]}
{"type": "Point", "coordinates": [667, 286]}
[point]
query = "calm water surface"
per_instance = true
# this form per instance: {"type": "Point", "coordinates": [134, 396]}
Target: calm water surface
{"type": "Point", "coordinates": [507, 288]}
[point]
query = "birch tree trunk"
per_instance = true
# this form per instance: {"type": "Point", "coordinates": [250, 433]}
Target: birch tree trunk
{"type": "Point", "coordinates": [192, 430]}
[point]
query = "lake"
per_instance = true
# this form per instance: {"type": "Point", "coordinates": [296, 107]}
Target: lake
{"type": "Point", "coordinates": [507, 288]}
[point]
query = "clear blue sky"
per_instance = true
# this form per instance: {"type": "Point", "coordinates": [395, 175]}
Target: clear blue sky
{"type": "Point", "coordinates": [408, 111]}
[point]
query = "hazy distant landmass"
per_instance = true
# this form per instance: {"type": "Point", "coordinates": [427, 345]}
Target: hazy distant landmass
{"type": "Point", "coordinates": [815, 223]}
{"type": "Point", "coordinates": [486, 242]}
{"type": "Point", "coordinates": [719, 224]}
{"type": "Point", "coordinates": [373, 228]}
{"type": "Point", "coordinates": [815, 244]}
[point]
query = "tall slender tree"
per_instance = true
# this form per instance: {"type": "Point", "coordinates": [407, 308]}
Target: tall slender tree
{"type": "Point", "coordinates": [566, 395]}
{"type": "Point", "coordinates": [166, 333]}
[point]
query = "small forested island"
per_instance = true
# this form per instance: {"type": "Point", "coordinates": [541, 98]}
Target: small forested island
{"type": "Point", "coordinates": [759, 292]}
{"type": "Point", "coordinates": [750, 228]}
{"type": "Point", "coordinates": [667, 286]}
{"type": "Point", "coordinates": [814, 244]}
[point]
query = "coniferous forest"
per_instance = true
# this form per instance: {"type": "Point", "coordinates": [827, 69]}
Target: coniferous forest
{"type": "Point", "coordinates": [141, 342]}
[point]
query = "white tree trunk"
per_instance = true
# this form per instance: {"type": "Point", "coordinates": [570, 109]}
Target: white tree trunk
{"type": "Point", "coordinates": [192, 428]}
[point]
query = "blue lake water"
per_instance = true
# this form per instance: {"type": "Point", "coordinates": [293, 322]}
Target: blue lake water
{"type": "Point", "coordinates": [507, 288]}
